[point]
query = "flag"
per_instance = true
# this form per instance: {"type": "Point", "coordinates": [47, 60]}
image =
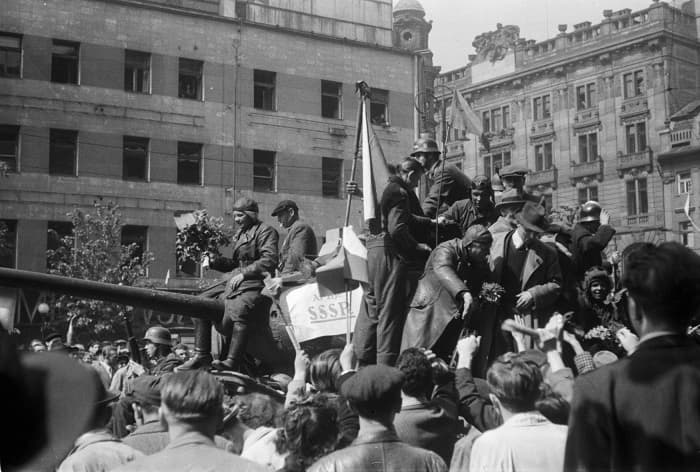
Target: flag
{"type": "Point", "coordinates": [375, 171]}
{"type": "Point", "coordinates": [167, 277]}
{"type": "Point", "coordinates": [463, 118]}
{"type": "Point", "coordinates": [343, 259]}
{"type": "Point", "coordinates": [686, 209]}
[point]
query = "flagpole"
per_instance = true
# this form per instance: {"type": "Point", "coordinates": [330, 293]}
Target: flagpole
{"type": "Point", "coordinates": [445, 132]}
{"type": "Point", "coordinates": [363, 90]}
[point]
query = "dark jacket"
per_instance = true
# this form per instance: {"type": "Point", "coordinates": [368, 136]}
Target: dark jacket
{"type": "Point", "coordinates": [166, 365]}
{"type": "Point", "coordinates": [380, 452]}
{"type": "Point", "coordinates": [298, 244]}
{"type": "Point", "coordinates": [587, 248]}
{"type": "Point", "coordinates": [254, 254]}
{"type": "Point", "coordinates": [640, 413]}
{"type": "Point", "coordinates": [473, 406]}
{"type": "Point", "coordinates": [465, 214]}
{"type": "Point", "coordinates": [438, 298]}
{"type": "Point", "coordinates": [447, 185]}
{"type": "Point", "coordinates": [403, 219]}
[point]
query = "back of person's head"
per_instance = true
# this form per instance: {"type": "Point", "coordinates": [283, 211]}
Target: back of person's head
{"type": "Point", "coordinates": [192, 396]}
{"type": "Point", "coordinates": [325, 370]}
{"type": "Point", "coordinates": [309, 432]}
{"type": "Point", "coordinates": [664, 281]}
{"type": "Point", "coordinates": [553, 406]}
{"type": "Point", "coordinates": [256, 409]}
{"type": "Point", "coordinates": [417, 373]}
{"type": "Point", "coordinates": [515, 382]}
{"type": "Point", "coordinates": [374, 392]}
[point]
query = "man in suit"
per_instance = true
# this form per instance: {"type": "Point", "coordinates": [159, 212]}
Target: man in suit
{"type": "Point", "coordinates": [529, 272]}
{"type": "Point", "coordinates": [642, 413]}
{"type": "Point", "coordinates": [299, 243]}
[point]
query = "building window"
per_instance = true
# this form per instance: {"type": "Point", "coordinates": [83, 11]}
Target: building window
{"type": "Point", "coordinates": [587, 147]}
{"type": "Point", "coordinates": [264, 171]}
{"type": "Point", "coordinates": [57, 231]}
{"type": "Point", "coordinates": [379, 107]}
{"type": "Point", "coordinates": [63, 152]}
{"type": "Point", "coordinates": [637, 202]}
{"type": "Point", "coordinates": [684, 182]}
{"type": "Point", "coordinates": [135, 159]}
{"type": "Point", "coordinates": [8, 251]}
{"type": "Point", "coordinates": [496, 161]}
{"type": "Point", "coordinates": [587, 194]}
{"type": "Point", "coordinates": [137, 72]}
{"type": "Point", "coordinates": [133, 234]}
{"type": "Point", "coordinates": [496, 119]}
{"type": "Point", "coordinates": [541, 108]}
{"type": "Point", "coordinates": [9, 147]}
{"type": "Point", "coordinates": [586, 96]}
{"type": "Point", "coordinates": [331, 99]}
{"type": "Point", "coordinates": [332, 176]}
{"type": "Point", "coordinates": [636, 137]}
{"type": "Point", "coordinates": [264, 83]}
{"type": "Point", "coordinates": [543, 156]}
{"type": "Point", "coordinates": [189, 163]}
{"type": "Point", "coordinates": [65, 62]}
{"type": "Point", "coordinates": [633, 83]}
{"type": "Point", "coordinates": [190, 79]}
{"type": "Point", "coordinates": [10, 55]}
{"type": "Point", "coordinates": [687, 233]}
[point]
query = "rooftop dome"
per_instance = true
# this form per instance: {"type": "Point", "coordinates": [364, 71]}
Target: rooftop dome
{"type": "Point", "coordinates": [409, 5]}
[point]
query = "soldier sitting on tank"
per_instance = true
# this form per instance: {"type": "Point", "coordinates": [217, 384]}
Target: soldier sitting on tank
{"type": "Point", "coordinates": [246, 310]}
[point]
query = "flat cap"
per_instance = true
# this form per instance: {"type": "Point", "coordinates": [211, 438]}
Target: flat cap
{"type": "Point", "coordinates": [510, 197]}
{"type": "Point", "coordinates": [373, 384]}
{"type": "Point", "coordinates": [513, 170]}
{"type": "Point", "coordinates": [284, 205]}
{"type": "Point", "coordinates": [146, 389]}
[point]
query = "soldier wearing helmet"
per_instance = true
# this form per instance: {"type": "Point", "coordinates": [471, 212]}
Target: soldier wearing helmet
{"type": "Point", "coordinates": [590, 236]}
{"type": "Point", "coordinates": [158, 349]}
{"type": "Point", "coordinates": [478, 210]}
{"type": "Point", "coordinates": [447, 183]}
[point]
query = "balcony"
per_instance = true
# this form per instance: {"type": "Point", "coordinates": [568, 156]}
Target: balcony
{"type": "Point", "coordinates": [636, 160]}
{"type": "Point", "coordinates": [633, 108]}
{"type": "Point", "coordinates": [541, 131]}
{"type": "Point", "coordinates": [500, 138]}
{"type": "Point", "coordinates": [543, 178]}
{"type": "Point", "coordinates": [454, 149]}
{"type": "Point", "coordinates": [588, 118]}
{"type": "Point", "coordinates": [681, 137]}
{"type": "Point", "coordinates": [587, 170]}
{"type": "Point", "coordinates": [644, 219]}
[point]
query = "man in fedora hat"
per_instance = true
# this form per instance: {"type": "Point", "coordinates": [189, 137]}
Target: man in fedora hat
{"type": "Point", "coordinates": [529, 272]}
{"type": "Point", "coordinates": [513, 178]}
{"type": "Point", "coordinates": [508, 204]}
{"type": "Point", "coordinates": [299, 243]}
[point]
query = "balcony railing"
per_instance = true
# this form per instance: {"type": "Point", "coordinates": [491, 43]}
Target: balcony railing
{"type": "Point", "coordinates": [683, 136]}
{"type": "Point", "coordinates": [634, 160]}
{"type": "Point", "coordinates": [545, 178]}
{"type": "Point", "coordinates": [592, 169]}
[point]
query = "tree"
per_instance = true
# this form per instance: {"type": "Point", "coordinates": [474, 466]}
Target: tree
{"type": "Point", "coordinates": [93, 251]}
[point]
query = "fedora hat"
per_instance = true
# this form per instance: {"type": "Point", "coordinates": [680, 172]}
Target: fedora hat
{"type": "Point", "coordinates": [532, 217]}
{"type": "Point", "coordinates": [510, 197]}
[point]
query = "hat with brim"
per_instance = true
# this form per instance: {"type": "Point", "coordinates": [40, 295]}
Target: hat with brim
{"type": "Point", "coordinates": [509, 198]}
{"type": "Point", "coordinates": [532, 217]}
{"type": "Point", "coordinates": [513, 170]}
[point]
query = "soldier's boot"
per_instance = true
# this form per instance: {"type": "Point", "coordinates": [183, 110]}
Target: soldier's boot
{"type": "Point", "coordinates": [236, 349]}
{"type": "Point", "coordinates": [202, 347]}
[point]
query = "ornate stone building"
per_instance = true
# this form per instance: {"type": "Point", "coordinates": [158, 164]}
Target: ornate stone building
{"type": "Point", "coordinates": [586, 111]}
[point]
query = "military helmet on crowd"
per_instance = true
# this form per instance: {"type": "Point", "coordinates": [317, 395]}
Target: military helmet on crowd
{"type": "Point", "coordinates": [158, 335]}
{"type": "Point", "coordinates": [590, 211]}
{"type": "Point", "coordinates": [425, 144]}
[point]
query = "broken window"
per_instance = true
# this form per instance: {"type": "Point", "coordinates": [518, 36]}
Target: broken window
{"type": "Point", "coordinates": [264, 89]}
{"type": "Point", "coordinates": [189, 163]}
{"type": "Point", "coordinates": [331, 99]}
{"type": "Point", "coordinates": [190, 79]}
{"type": "Point", "coordinates": [63, 152]}
{"type": "Point", "coordinates": [10, 55]}
{"type": "Point", "coordinates": [264, 171]}
{"type": "Point", "coordinates": [64, 62]}
{"type": "Point", "coordinates": [135, 159]}
{"type": "Point", "coordinates": [137, 72]}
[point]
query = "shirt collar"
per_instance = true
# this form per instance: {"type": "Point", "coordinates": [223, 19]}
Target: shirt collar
{"type": "Point", "coordinates": [528, 418]}
{"type": "Point", "coordinates": [190, 438]}
{"type": "Point", "coordinates": [518, 241]}
{"type": "Point", "coordinates": [656, 334]}
{"type": "Point", "coordinates": [92, 437]}
{"type": "Point", "coordinates": [381, 435]}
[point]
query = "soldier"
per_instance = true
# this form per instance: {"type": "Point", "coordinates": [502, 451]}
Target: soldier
{"type": "Point", "coordinates": [590, 236]}
{"type": "Point", "coordinates": [300, 242]}
{"type": "Point", "coordinates": [479, 209]}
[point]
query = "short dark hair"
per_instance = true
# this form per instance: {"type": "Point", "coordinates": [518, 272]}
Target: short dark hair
{"type": "Point", "coordinates": [325, 370]}
{"type": "Point", "coordinates": [417, 372]}
{"type": "Point", "coordinates": [516, 382]}
{"type": "Point", "coordinates": [553, 406]}
{"type": "Point", "coordinates": [256, 409]}
{"type": "Point", "coordinates": [664, 281]}
{"type": "Point", "coordinates": [192, 395]}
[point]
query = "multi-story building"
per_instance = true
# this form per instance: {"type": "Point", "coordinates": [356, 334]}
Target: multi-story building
{"type": "Point", "coordinates": [585, 111]}
{"type": "Point", "coordinates": [166, 107]}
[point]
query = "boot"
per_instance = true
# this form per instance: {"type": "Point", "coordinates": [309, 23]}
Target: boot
{"type": "Point", "coordinates": [236, 349]}
{"type": "Point", "coordinates": [202, 347]}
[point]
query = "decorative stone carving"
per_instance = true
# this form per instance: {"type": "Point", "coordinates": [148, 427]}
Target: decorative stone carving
{"type": "Point", "coordinates": [494, 45]}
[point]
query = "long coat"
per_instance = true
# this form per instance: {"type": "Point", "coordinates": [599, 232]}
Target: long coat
{"type": "Point", "coordinates": [447, 185]}
{"type": "Point", "coordinates": [586, 247]}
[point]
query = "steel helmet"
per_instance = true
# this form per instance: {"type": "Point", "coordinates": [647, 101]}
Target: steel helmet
{"type": "Point", "coordinates": [425, 144]}
{"type": "Point", "coordinates": [158, 335]}
{"type": "Point", "coordinates": [590, 211]}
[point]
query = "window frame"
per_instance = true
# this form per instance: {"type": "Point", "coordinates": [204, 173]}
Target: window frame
{"type": "Point", "coordinates": [9, 253]}
{"type": "Point", "coordinates": [134, 72]}
{"type": "Point", "coordinates": [261, 86]}
{"type": "Point", "coordinates": [184, 72]}
{"type": "Point", "coordinates": [589, 193]}
{"type": "Point", "coordinates": [636, 141]}
{"type": "Point", "coordinates": [54, 136]}
{"type": "Point", "coordinates": [261, 154]}
{"type": "Point", "coordinates": [684, 182]}
{"type": "Point", "coordinates": [8, 130]}
{"type": "Point", "coordinates": [496, 119]}
{"type": "Point", "coordinates": [542, 107]}
{"type": "Point", "coordinates": [584, 152]}
{"type": "Point", "coordinates": [140, 240]}
{"type": "Point", "coordinates": [638, 203]}
{"type": "Point", "coordinates": [338, 97]}
{"type": "Point", "coordinates": [492, 162]}
{"type": "Point", "coordinates": [590, 96]}
{"type": "Point", "coordinates": [6, 50]}
{"type": "Point", "coordinates": [183, 158]}
{"type": "Point", "coordinates": [147, 158]}
{"type": "Point", "coordinates": [379, 97]}
{"type": "Point", "coordinates": [54, 55]}
{"type": "Point", "coordinates": [637, 81]}
{"type": "Point", "coordinates": [687, 234]}
{"type": "Point", "coordinates": [337, 193]}
{"type": "Point", "coordinates": [543, 159]}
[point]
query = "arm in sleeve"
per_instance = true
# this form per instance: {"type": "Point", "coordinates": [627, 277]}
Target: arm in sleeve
{"type": "Point", "coordinates": [266, 240]}
{"type": "Point", "coordinates": [546, 294]}
{"type": "Point", "coordinates": [478, 411]}
{"type": "Point", "coordinates": [223, 264]}
{"type": "Point", "coordinates": [399, 223]}
{"type": "Point", "coordinates": [445, 261]}
{"type": "Point", "coordinates": [437, 193]}
{"type": "Point", "coordinates": [598, 241]}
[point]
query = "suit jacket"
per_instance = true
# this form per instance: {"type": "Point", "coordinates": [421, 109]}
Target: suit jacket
{"type": "Point", "coordinates": [254, 254]}
{"type": "Point", "coordinates": [298, 244]}
{"type": "Point", "coordinates": [541, 273]}
{"type": "Point", "coordinates": [465, 214]}
{"type": "Point", "coordinates": [403, 219]}
{"type": "Point", "coordinates": [641, 413]}
{"type": "Point", "coordinates": [586, 247]}
{"type": "Point", "coordinates": [448, 185]}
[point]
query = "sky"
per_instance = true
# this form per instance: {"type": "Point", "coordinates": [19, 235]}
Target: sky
{"type": "Point", "coordinates": [457, 22]}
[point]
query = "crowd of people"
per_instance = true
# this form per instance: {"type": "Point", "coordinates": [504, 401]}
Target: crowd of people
{"type": "Point", "coordinates": [495, 336]}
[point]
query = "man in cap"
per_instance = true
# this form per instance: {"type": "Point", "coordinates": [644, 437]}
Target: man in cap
{"type": "Point", "coordinates": [299, 243]}
{"type": "Point", "coordinates": [590, 237]}
{"type": "Point", "coordinates": [192, 406]}
{"type": "Point", "coordinates": [508, 204]}
{"type": "Point", "coordinates": [529, 272]}
{"type": "Point", "coordinates": [448, 184]}
{"type": "Point", "coordinates": [477, 210]}
{"type": "Point", "coordinates": [375, 394]}
{"type": "Point", "coordinates": [446, 291]}
{"type": "Point", "coordinates": [513, 177]}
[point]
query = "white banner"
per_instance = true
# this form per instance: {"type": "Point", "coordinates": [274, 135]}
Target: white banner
{"type": "Point", "coordinates": [313, 316]}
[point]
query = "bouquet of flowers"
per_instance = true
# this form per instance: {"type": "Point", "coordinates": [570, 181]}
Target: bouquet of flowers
{"type": "Point", "coordinates": [491, 292]}
{"type": "Point", "coordinates": [604, 336]}
{"type": "Point", "coordinates": [204, 236]}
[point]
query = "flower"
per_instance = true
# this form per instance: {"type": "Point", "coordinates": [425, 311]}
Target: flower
{"type": "Point", "coordinates": [491, 292]}
{"type": "Point", "coordinates": [205, 236]}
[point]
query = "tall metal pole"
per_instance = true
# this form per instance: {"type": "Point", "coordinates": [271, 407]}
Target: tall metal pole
{"type": "Point", "coordinates": [363, 90]}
